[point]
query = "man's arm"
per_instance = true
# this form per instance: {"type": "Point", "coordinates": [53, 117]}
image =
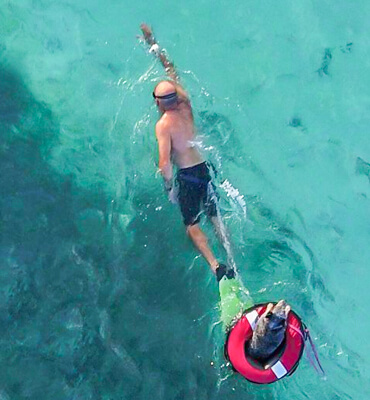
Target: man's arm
{"type": "Point", "coordinates": [154, 48]}
{"type": "Point", "coordinates": [167, 64]}
{"type": "Point", "coordinates": [164, 149]}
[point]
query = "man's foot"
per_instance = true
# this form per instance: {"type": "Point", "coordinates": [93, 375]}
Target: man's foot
{"type": "Point", "coordinates": [223, 270]}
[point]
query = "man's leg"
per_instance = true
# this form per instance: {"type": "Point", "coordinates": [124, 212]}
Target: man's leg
{"type": "Point", "coordinates": [201, 242]}
{"type": "Point", "coordinates": [210, 200]}
{"type": "Point", "coordinates": [211, 209]}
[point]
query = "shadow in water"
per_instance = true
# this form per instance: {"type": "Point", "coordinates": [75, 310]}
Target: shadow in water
{"type": "Point", "coordinates": [60, 250]}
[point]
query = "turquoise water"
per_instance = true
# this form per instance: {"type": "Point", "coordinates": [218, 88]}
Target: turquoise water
{"type": "Point", "coordinates": [102, 295]}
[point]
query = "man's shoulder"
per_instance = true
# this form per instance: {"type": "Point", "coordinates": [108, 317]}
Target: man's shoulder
{"type": "Point", "coordinates": [161, 127]}
{"type": "Point", "coordinates": [160, 124]}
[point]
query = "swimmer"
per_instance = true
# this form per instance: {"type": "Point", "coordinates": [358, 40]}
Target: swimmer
{"type": "Point", "coordinates": [175, 134]}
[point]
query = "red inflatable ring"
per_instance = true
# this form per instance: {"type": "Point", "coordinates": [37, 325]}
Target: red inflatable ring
{"type": "Point", "coordinates": [286, 363]}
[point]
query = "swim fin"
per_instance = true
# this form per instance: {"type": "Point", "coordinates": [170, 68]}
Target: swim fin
{"type": "Point", "coordinates": [234, 299]}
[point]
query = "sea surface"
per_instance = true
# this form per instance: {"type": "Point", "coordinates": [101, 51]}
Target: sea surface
{"type": "Point", "coordinates": [102, 295]}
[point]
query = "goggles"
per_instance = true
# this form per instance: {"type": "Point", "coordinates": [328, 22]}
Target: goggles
{"type": "Point", "coordinates": [168, 96]}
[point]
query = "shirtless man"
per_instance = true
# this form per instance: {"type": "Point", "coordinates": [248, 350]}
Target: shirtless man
{"type": "Point", "coordinates": [175, 133]}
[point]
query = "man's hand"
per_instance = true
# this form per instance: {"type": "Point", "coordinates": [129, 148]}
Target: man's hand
{"type": "Point", "coordinates": [173, 195]}
{"type": "Point", "coordinates": [148, 34]}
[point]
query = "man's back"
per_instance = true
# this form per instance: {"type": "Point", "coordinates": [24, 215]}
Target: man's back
{"type": "Point", "coordinates": [179, 125]}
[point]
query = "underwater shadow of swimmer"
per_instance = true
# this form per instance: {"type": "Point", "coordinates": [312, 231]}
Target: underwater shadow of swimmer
{"type": "Point", "coordinates": [57, 277]}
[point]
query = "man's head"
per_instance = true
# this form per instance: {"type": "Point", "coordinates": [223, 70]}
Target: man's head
{"type": "Point", "coordinates": [165, 95]}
